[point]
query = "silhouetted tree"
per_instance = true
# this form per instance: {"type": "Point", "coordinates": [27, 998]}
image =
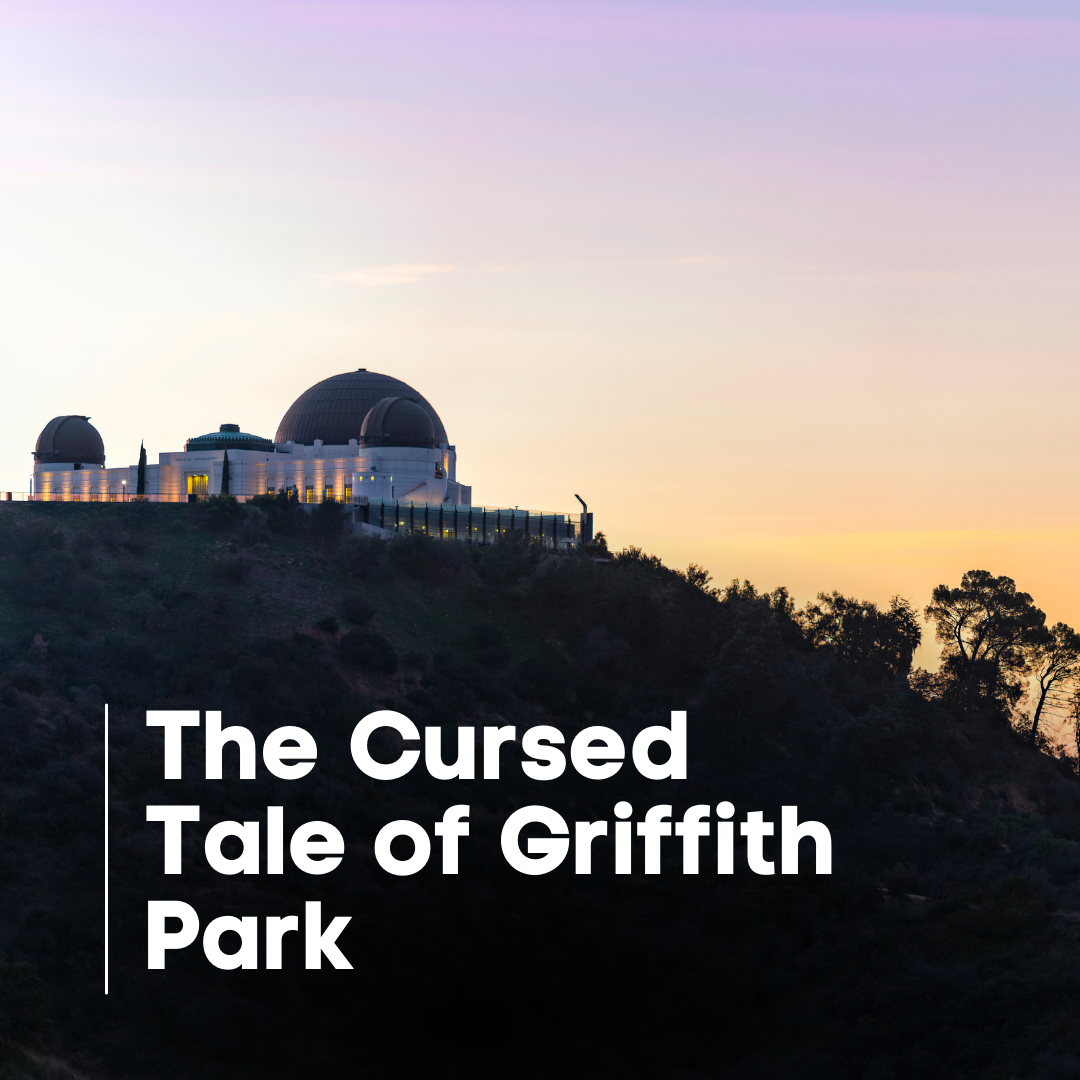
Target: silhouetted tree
{"type": "Point", "coordinates": [986, 628]}
{"type": "Point", "coordinates": [1055, 660]}
{"type": "Point", "coordinates": [225, 474]}
{"type": "Point", "coordinates": [859, 633]}
{"type": "Point", "coordinates": [140, 478]}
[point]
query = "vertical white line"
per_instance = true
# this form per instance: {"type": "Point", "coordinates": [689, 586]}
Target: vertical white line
{"type": "Point", "coordinates": [106, 849]}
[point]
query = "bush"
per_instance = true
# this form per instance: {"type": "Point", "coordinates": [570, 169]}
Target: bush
{"type": "Point", "coordinates": [422, 557]}
{"type": "Point", "coordinates": [232, 568]}
{"type": "Point", "coordinates": [37, 540]}
{"type": "Point", "coordinates": [28, 679]}
{"type": "Point", "coordinates": [284, 514]}
{"type": "Point", "coordinates": [23, 1018]}
{"type": "Point", "coordinates": [328, 625]}
{"type": "Point", "coordinates": [329, 519]}
{"type": "Point", "coordinates": [369, 651]}
{"type": "Point", "coordinates": [511, 557]}
{"type": "Point", "coordinates": [362, 556]}
{"type": "Point", "coordinates": [220, 512]}
{"type": "Point", "coordinates": [252, 523]}
{"type": "Point", "coordinates": [413, 554]}
{"type": "Point", "coordinates": [489, 646]}
{"type": "Point", "coordinates": [59, 584]}
{"type": "Point", "coordinates": [357, 609]}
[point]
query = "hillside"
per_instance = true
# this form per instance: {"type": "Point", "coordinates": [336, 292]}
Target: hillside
{"type": "Point", "coordinates": [945, 943]}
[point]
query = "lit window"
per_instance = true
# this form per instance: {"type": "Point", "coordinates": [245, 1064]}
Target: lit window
{"type": "Point", "coordinates": [94, 497]}
{"type": "Point", "coordinates": [112, 497]}
{"type": "Point", "coordinates": [309, 494]}
{"type": "Point", "coordinates": [269, 488]}
{"type": "Point", "coordinates": [348, 492]}
{"type": "Point", "coordinates": [328, 492]}
{"type": "Point", "coordinates": [197, 483]}
{"type": "Point", "coordinates": [76, 498]}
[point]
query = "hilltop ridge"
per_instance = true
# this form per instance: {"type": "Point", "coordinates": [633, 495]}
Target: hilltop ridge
{"type": "Point", "coordinates": [944, 944]}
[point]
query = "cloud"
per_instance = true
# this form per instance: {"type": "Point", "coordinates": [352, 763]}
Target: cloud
{"type": "Point", "coordinates": [393, 274]}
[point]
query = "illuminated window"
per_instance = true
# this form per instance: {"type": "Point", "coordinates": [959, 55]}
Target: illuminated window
{"type": "Point", "coordinates": [309, 494]}
{"type": "Point", "coordinates": [348, 491]}
{"type": "Point", "coordinates": [112, 497]}
{"type": "Point", "coordinates": [269, 488]}
{"type": "Point", "coordinates": [197, 483]}
{"type": "Point", "coordinates": [95, 497]}
{"type": "Point", "coordinates": [328, 492]}
{"type": "Point", "coordinates": [76, 498]}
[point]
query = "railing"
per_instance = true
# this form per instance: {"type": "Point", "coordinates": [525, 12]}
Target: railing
{"type": "Point", "coordinates": [473, 524]}
{"type": "Point", "coordinates": [107, 497]}
{"type": "Point", "coordinates": [96, 497]}
{"type": "Point", "coordinates": [476, 524]}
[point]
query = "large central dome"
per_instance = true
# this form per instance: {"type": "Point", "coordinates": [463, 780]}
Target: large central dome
{"type": "Point", "coordinates": [334, 409]}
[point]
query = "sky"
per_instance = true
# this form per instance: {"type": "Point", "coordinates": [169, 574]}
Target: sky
{"type": "Point", "coordinates": [790, 291]}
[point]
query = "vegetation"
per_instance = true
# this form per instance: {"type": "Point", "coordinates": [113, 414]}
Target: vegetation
{"type": "Point", "coordinates": [945, 944]}
{"type": "Point", "coordinates": [140, 473]}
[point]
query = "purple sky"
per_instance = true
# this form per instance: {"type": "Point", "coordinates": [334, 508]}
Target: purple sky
{"type": "Point", "coordinates": [789, 291]}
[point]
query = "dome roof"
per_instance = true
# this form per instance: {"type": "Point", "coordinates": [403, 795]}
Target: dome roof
{"type": "Point", "coordinates": [70, 439]}
{"type": "Point", "coordinates": [334, 410]}
{"type": "Point", "coordinates": [229, 437]}
{"type": "Point", "coordinates": [398, 421]}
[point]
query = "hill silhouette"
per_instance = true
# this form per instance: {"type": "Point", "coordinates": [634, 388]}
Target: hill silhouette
{"type": "Point", "coordinates": [944, 944]}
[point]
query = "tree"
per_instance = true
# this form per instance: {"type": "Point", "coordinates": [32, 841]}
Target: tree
{"type": "Point", "coordinates": [225, 474]}
{"type": "Point", "coordinates": [874, 642]}
{"type": "Point", "coordinates": [140, 478]}
{"type": "Point", "coordinates": [987, 628]}
{"type": "Point", "coordinates": [1055, 661]}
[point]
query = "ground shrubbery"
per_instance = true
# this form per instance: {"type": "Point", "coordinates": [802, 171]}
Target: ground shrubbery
{"type": "Point", "coordinates": [368, 650]}
{"type": "Point", "coordinates": [937, 948]}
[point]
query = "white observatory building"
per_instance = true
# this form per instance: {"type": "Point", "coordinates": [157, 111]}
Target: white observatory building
{"type": "Point", "coordinates": [358, 437]}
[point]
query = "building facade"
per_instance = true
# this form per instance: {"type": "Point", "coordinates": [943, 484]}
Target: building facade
{"type": "Point", "coordinates": [357, 437]}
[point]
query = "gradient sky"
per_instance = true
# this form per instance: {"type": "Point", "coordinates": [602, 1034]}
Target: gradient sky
{"type": "Point", "coordinates": [790, 291]}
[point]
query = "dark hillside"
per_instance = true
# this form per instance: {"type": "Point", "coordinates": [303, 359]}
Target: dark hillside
{"type": "Point", "coordinates": [946, 943]}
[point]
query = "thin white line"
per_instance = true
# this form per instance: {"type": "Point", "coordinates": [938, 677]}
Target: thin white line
{"type": "Point", "coordinates": [106, 849]}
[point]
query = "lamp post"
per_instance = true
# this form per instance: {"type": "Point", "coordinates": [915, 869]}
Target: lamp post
{"type": "Point", "coordinates": [123, 492]}
{"type": "Point", "coordinates": [586, 521]}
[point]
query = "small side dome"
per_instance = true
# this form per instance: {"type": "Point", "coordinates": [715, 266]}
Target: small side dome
{"type": "Point", "coordinates": [70, 439]}
{"type": "Point", "coordinates": [398, 421]}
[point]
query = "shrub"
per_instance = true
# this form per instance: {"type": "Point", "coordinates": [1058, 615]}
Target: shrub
{"type": "Point", "coordinates": [369, 651]}
{"type": "Point", "coordinates": [413, 554]}
{"type": "Point", "coordinates": [362, 556]}
{"type": "Point", "coordinates": [37, 540]}
{"type": "Point", "coordinates": [232, 568]}
{"type": "Point", "coordinates": [512, 556]}
{"type": "Point", "coordinates": [357, 609]}
{"type": "Point", "coordinates": [329, 625]}
{"type": "Point", "coordinates": [422, 557]}
{"type": "Point", "coordinates": [489, 646]}
{"type": "Point", "coordinates": [284, 514]}
{"type": "Point", "coordinates": [252, 523]}
{"type": "Point", "coordinates": [28, 679]}
{"type": "Point", "coordinates": [220, 512]}
{"type": "Point", "coordinates": [329, 519]}
{"type": "Point", "coordinates": [23, 1018]}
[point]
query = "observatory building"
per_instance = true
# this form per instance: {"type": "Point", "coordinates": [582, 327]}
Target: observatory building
{"type": "Point", "coordinates": [358, 438]}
